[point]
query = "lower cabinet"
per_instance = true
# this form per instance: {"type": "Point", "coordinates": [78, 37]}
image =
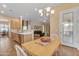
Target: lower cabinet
{"type": "Point", "coordinates": [25, 38]}
{"type": "Point", "coordinates": [21, 38]}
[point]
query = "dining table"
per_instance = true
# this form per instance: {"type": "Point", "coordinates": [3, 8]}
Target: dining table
{"type": "Point", "coordinates": [35, 48]}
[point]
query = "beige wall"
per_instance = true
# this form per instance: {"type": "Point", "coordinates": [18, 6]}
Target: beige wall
{"type": "Point", "coordinates": [54, 19]}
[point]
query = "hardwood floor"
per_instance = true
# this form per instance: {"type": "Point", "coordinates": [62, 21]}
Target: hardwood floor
{"type": "Point", "coordinates": [69, 51]}
{"type": "Point", "coordinates": [7, 49]}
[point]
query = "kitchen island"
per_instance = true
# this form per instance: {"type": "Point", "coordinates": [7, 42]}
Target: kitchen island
{"type": "Point", "coordinates": [22, 36]}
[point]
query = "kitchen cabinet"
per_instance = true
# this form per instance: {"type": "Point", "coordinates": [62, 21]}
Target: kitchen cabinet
{"type": "Point", "coordinates": [22, 37]}
{"type": "Point", "coordinates": [15, 24]}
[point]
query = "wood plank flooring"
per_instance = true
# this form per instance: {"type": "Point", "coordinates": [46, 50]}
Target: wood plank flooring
{"type": "Point", "coordinates": [69, 51]}
{"type": "Point", "coordinates": [7, 48]}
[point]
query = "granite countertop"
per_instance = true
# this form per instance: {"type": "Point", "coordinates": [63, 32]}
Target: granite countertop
{"type": "Point", "coordinates": [22, 32]}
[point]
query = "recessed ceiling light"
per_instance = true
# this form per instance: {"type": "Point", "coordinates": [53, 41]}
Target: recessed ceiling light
{"type": "Point", "coordinates": [35, 9]}
{"type": "Point", "coordinates": [4, 5]}
{"type": "Point", "coordinates": [2, 11]}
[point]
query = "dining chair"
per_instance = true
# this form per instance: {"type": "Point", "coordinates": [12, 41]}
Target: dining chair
{"type": "Point", "coordinates": [20, 51]}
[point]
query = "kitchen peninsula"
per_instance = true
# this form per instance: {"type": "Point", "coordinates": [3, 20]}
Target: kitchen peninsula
{"type": "Point", "coordinates": [22, 36]}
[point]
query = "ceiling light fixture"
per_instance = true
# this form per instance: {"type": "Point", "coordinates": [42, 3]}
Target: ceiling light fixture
{"type": "Point", "coordinates": [48, 9]}
{"type": "Point", "coordinates": [40, 11]}
{"type": "Point", "coordinates": [41, 14]}
{"type": "Point", "coordinates": [4, 5]}
{"type": "Point", "coordinates": [2, 11]}
{"type": "Point", "coordinates": [52, 11]}
{"type": "Point", "coordinates": [35, 9]}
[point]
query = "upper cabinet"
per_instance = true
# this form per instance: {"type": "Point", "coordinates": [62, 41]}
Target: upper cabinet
{"type": "Point", "coordinates": [15, 24]}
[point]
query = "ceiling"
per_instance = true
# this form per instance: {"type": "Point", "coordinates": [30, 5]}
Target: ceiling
{"type": "Point", "coordinates": [25, 9]}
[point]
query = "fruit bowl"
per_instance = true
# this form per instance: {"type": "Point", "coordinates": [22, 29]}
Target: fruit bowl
{"type": "Point", "coordinates": [45, 40]}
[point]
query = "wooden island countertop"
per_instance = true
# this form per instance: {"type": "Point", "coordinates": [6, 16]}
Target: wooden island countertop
{"type": "Point", "coordinates": [36, 49]}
